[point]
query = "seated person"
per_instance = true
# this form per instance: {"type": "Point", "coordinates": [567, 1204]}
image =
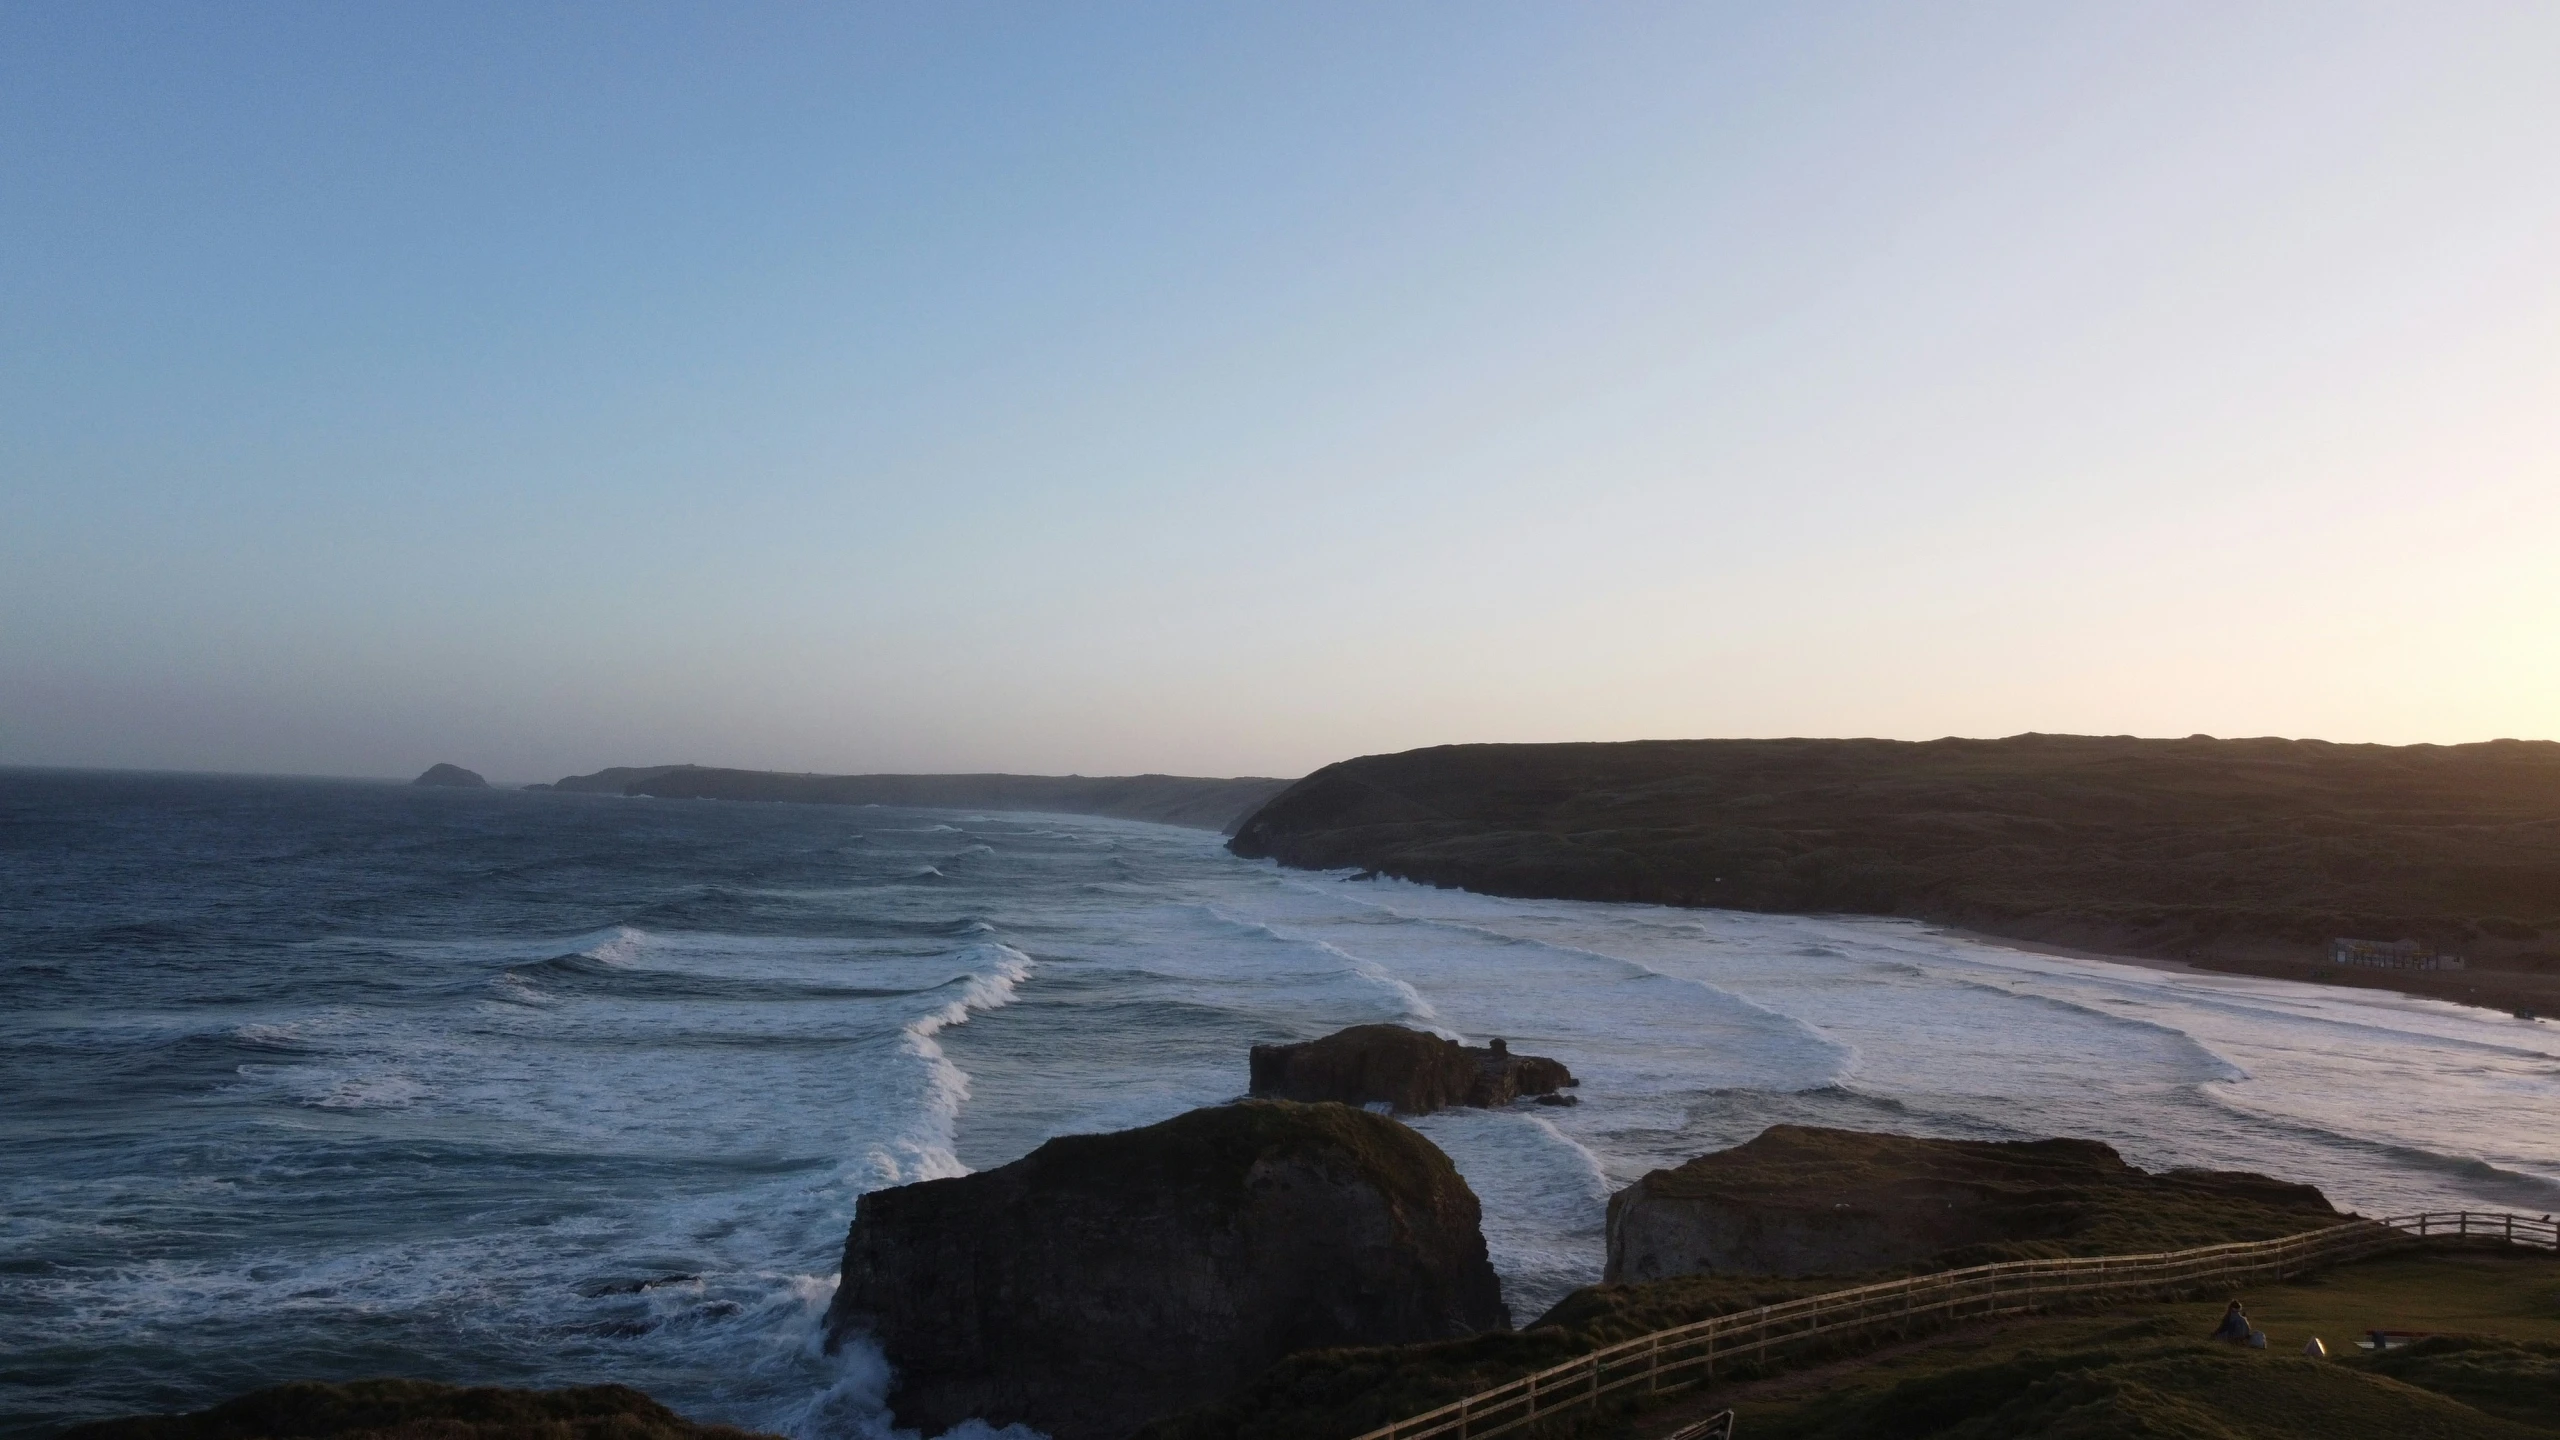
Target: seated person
{"type": "Point", "coordinates": [2234, 1326]}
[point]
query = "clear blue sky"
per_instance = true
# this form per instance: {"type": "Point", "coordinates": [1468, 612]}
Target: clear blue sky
{"type": "Point", "coordinates": [1233, 389]}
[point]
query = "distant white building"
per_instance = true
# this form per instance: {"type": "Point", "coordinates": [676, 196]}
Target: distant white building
{"type": "Point", "coordinates": [2390, 955]}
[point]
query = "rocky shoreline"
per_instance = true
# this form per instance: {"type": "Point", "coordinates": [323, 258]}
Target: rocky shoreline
{"type": "Point", "coordinates": [1313, 1267]}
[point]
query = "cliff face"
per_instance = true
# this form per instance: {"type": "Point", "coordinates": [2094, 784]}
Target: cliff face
{"type": "Point", "coordinates": [1201, 804]}
{"type": "Point", "coordinates": [1104, 1280]}
{"type": "Point", "coordinates": [1802, 1200]}
{"type": "Point", "coordinates": [1412, 1072]}
{"type": "Point", "coordinates": [2255, 848]}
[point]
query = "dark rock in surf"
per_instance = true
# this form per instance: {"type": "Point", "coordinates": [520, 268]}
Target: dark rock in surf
{"type": "Point", "coordinates": [1411, 1071]}
{"type": "Point", "coordinates": [1104, 1280]}
{"type": "Point", "coordinates": [1804, 1200]}
{"type": "Point", "coordinates": [452, 775]}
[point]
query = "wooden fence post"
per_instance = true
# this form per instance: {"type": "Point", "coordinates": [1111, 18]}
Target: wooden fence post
{"type": "Point", "coordinates": [2002, 1288]}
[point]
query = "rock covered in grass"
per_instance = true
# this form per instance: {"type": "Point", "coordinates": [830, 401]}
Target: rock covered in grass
{"type": "Point", "coordinates": [1803, 1200]}
{"type": "Point", "coordinates": [1104, 1280]}
{"type": "Point", "coordinates": [1411, 1071]}
{"type": "Point", "coordinates": [417, 1410]}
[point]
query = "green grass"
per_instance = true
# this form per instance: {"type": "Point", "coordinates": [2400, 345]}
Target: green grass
{"type": "Point", "coordinates": [2142, 1367]}
{"type": "Point", "coordinates": [2143, 1371]}
{"type": "Point", "coordinates": [2185, 1389]}
{"type": "Point", "coordinates": [1219, 1145]}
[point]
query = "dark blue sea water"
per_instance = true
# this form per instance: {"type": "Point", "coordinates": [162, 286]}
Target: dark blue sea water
{"type": "Point", "coordinates": [329, 1079]}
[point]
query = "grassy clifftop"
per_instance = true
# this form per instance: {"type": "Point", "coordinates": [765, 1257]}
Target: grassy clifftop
{"type": "Point", "coordinates": [2142, 1371]}
{"type": "Point", "coordinates": [2197, 848]}
{"type": "Point", "coordinates": [1804, 1200]}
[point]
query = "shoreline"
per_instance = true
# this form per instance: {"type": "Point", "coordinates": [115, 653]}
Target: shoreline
{"type": "Point", "coordinates": [2070, 952]}
{"type": "Point", "coordinates": [2504, 992]}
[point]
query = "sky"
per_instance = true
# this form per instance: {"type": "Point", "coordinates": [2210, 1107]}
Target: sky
{"type": "Point", "coordinates": [1230, 389]}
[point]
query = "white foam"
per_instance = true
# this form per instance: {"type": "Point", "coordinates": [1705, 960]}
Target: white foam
{"type": "Point", "coordinates": [756, 1111]}
{"type": "Point", "coordinates": [1543, 1195]}
{"type": "Point", "coordinates": [923, 1149]}
{"type": "Point", "coordinates": [621, 947]}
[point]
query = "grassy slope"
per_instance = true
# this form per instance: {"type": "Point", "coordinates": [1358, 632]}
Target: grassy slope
{"type": "Point", "coordinates": [1332, 1395]}
{"type": "Point", "coordinates": [2232, 849]}
{"type": "Point", "coordinates": [2142, 1371]}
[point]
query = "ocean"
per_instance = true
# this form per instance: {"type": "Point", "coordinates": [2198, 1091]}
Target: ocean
{"type": "Point", "coordinates": [333, 1079]}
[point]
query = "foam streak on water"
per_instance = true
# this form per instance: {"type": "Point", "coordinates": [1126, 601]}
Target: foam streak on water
{"type": "Point", "coordinates": [332, 1080]}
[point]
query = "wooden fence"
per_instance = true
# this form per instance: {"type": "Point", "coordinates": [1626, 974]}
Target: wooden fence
{"type": "Point", "coordinates": [1686, 1356]}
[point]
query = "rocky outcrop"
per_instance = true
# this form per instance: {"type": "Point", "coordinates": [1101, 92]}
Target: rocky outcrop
{"type": "Point", "coordinates": [453, 775]}
{"type": "Point", "coordinates": [1104, 1280]}
{"type": "Point", "coordinates": [1411, 1071]}
{"type": "Point", "coordinates": [1801, 1200]}
{"type": "Point", "coordinates": [417, 1410]}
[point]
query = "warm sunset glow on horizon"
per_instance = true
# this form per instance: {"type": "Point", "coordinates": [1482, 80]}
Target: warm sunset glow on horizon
{"type": "Point", "coordinates": [1233, 391]}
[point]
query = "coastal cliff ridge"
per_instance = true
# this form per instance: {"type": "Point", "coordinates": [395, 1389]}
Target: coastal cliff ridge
{"type": "Point", "coordinates": [2236, 854]}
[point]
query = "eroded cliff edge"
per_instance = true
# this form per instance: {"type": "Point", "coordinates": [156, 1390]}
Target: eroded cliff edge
{"type": "Point", "coordinates": [1806, 1200]}
{"type": "Point", "coordinates": [1104, 1280]}
{"type": "Point", "coordinates": [1407, 1070]}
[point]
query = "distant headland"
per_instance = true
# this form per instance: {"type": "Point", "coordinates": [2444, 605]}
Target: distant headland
{"type": "Point", "coordinates": [2248, 855]}
{"type": "Point", "coordinates": [1200, 804]}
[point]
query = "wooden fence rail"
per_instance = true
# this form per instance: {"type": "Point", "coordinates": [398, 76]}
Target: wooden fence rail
{"type": "Point", "coordinates": [1686, 1356]}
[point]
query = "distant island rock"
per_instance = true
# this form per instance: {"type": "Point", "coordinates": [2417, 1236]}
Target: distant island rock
{"type": "Point", "coordinates": [1195, 802]}
{"type": "Point", "coordinates": [1805, 1200]}
{"type": "Point", "coordinates": [2241, 854]}
{"type": "Point", "coordinates": [1411, 1071]}
{"type": "Point", "coordinates": [1104, 1280]}
{"type": "Point", "coordinates": [416, 1410]}
{"type": "Point", "coordinates": [452, 775]}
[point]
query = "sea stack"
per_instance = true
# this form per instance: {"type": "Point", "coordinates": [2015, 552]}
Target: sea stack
{"type": "Point", "coordinates": [1104, 1280]}
{"type": "Point", "coordinates": [1804, 1200]}
{"type": "Point", "coordinates": [452, 775]}
{"type": "Point", "coordinates": [1408, 1070]}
